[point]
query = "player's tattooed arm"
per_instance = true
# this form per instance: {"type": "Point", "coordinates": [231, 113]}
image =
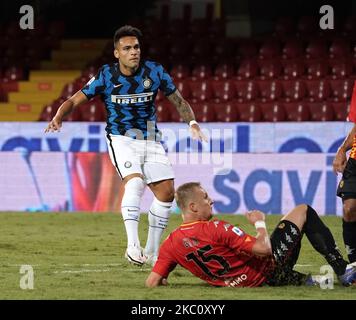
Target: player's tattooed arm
{"type": "Point", "coordinates": [183, 107]}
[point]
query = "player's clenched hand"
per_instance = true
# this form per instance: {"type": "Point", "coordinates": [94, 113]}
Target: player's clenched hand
{"type": "Point", "coordinates": [255, 215]}
{"type": "Point", "coordinates": [54, 125]}
{"type": "Point", "coordinates": [339, 162]}
{"type": "Point", "coordinates": [197, 133]}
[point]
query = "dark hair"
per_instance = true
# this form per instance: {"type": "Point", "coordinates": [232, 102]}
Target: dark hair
{"type": "Point", "coordinates": [127, 31]}
{"type": "Point", "coordinates": [185, 192]}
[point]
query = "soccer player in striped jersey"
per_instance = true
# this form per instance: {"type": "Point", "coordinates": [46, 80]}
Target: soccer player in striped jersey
{"type": "Point", "coordinates": [224, 255]}
{"type": "Point", "coordinates": [128, 89]}
{"type": "Point", "coordinates": [347, 191]}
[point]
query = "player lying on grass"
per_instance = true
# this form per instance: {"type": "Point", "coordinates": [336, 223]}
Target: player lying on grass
{"type": "Point", "coordinates": [224, 255]}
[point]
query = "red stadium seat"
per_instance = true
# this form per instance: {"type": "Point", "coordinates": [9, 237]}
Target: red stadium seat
{"type": "Point", "coordinates": [294, 90]}
{"type": "Point", "coordinates": [224, 89]}
{"type": "Point", "coordinates": [284, 26]}
{"type": "Point", "coordinates": [273, 112]}
{"type": "Point", "coordinates": [183, 86]}
{"type": "Point", "coordinates": [339, 49]}
{"type": "Point", "coordinates": [292, 49]}
{"type": "Point", "coordinates": [177, 28]}
{"type": "Point", "coordinates": [246, 49]}
{"type": "Point", "coordinates": [223, 50]}
{"type": "Point", "coordinates": [341, 89]}
{"type": "Point", "coordinates": [247, 69]}
{"type": "Point", "coordinates": [163, 111]}
{"type": "Point", "coordinates": [69, 89]}
{"type": "Point", "coordinates": [250, 112]}
{"type": "Point", "coordinates": [226, 111]}
{"type": "Point", "coordinates": [198, 27]}
{"type": "Point", "coordinates": [180, 71]}
{"type": "Point", "coordinates": [269, 50]}
{"type": "Point", "coordinates": [201, 90]}
{"type": "Point", "coordinates": [270, 69]}
{"type": "Point", "coordinates": [341, 110]}
{"type": "Point", "coordinates": [293, 69]}
{"type": "Point", "coordinates": [93, 111]}
{"type": "Point", "coordinates": [316, 50]}
{"type": "Point", "coordinates": [317, 90]}
{"type": "Point", "coordinates": [201, 49]}
{"type": "Point", "coordinates": [270, 90]}
{"type": "Point", "coordinates": [14, 73]}
{"type": "Point", "coordinates": [178, 50]}
{"type": "Point", "coordinates": [297, 111]}
{"type": "Point", "coordinates": [204, 111]}
{"type": "Point", "coordinates": [247, 90]}
{"type": "Point", "coordinates": [49, 111]}
{"type": "Point", "coordinates": [202, 71]}
{"type": "Point", "coordinates": [317, 69]}
{"type": "Point", "coordinates": [340, 68]}
{"type": "Point", "coordinates": [90, 72]}
{"type": "Point", "coordinates": [321, 111]}
{"type": "Point", "coordinates": [224, 71]}
{"type": "Point", "coordinates": [307, 25]}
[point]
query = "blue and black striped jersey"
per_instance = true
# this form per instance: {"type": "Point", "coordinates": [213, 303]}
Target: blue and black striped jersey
{"type": "Point", "coordinates": [129, 100]}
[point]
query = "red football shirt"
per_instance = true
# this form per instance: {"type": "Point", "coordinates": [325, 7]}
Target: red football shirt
{"type": "Point", "coordinates": [216, 252]}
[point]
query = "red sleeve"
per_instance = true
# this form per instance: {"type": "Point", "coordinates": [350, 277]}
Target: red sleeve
{"type": "Point", "coordinates": [165, 262]}
{"type": "Point", "coordinates": [234, 237]}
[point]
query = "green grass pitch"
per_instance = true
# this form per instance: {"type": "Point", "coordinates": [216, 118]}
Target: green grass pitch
{"type": "Point", "coordinates": [81, 256]}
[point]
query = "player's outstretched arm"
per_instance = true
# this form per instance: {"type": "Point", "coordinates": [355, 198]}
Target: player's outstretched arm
{"type": "Point", "coordinates": [65, 109]}
{"type": "Point", "coordinates": [262, 246]}
{"type": "Point", "coordinates": [155, 280]}
{"type": "Point", "coordinates": [340, 160]}
{"type": "Point", "coordinates": [187, 114]}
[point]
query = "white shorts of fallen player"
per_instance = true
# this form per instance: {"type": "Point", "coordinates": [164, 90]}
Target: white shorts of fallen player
{"type": "Point", "coordinates": [145, 157]}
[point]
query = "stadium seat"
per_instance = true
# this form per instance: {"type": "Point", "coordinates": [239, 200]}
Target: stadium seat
{"type": "Point", "coordinates": [247, 90]}
{"type": "Point", "coordinates": [284, 27]}
{"type": "Point", "coordinates": [249, 112]}
{"type": "Point", "coordinates": [14, 73]}
{"type": "Point", "coordinates": [293, 69]}
{"type": "Point", "coordinates": [307, 25]}
{"type": "Point", "coordinates": [273, 112]}
{"type": "Point", "coordinates": [270, 90]}
{"type": "Point", "coordinates": [248, 69]}
{"type": "Point", "coordinates": [339, 49]}
{"type": "Point", "coordinates": [340, 68]}
{"type": "Point", "coordinates": [183, 86]}
{"type": "Point", "coordinates": [246, 49]}
{"type": "Point", "coordinates": [56, 28]}
{"type": "Point", "coordinates": [297, 111]}
{"type": "Point", "coordinates": [317, 90]}
{"type": "Point", "coordinates": [92, 111]}
{"type": "Point", "coordinates": [316, 69]}
{"type": "Point", "coordinates": [49, 111]}
{"type": "Point", "coordinates": [198, 27]}
{"type": "Point", "coordinates": [223, 50]}
{"type": "Point", "coordinates": [163, 112]}
{"type": "Point", "coordinates": [217, 28]}
{"type": "Point", "coordinates": [341, 110]}
{"type": "Point", "coordinates": [202, 71]}
{"type": "Point", "coordinates": [341, 89]}
{"type": "Point", "coordinates": [204, 111]}
{"type": "Point", "coordinates": [269, 50]}
{"type": "Point", "coordinates": [201, 90]}
{"type": "Point", "coordinates": [180, 71]}
{"type": "Point", "coordinates": [292, 49]}
{"type": "Point", "coordinates": [224, 71]}
{"type": "Point", "coordinates": [321, 111]}
{"type": "Point", "coordinates": [201, 50]}
{"type": "Point", "coordinates": [270, 69]}
{"type": "Point", "coordinates": [226, 111]}
{"type": "Point", "coordinates": [178, 50]}
{"type": "Point", "coordinates": [177, 28]}
{"type": "Point", "coordinates": [349, 25]}
{"type": "Point", "coordinates": [68, 90]}
{"type": "Point", "coordinates": [294, 90]}
{"type": "Point", "coordinates": [316, 49]}
{"type": "Point", "coordinates": [224, 89]}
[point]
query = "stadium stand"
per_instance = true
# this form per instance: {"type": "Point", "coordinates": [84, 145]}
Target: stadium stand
{"type": "Point", "coordinates": [292, 74]}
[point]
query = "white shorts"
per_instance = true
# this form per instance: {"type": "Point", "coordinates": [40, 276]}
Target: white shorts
{"type": "Point", "coordinates": [139, 156]}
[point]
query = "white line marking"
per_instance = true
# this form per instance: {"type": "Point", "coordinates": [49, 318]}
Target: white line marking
{"type": "Point", "coordinates": [304, 265]}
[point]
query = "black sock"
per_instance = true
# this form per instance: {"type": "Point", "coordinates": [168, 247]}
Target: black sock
{"type": "Point", "coordinates": [323, 241]}
{"type": "Point", "coordinates": [349, 235]}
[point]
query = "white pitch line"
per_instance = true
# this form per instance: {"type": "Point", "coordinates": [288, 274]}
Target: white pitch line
{"type": "Point", "coordinates": [304, 265]}
{"type": "Point", "coordinates": [82, 271]}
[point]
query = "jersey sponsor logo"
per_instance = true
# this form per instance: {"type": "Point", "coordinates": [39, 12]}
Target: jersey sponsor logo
{"type": "Point", "coordinates": [118, 85]}
{"type": "Point", "coordinates": [236, 281]}
{"type": "Point", "coordinates": [132, 98]}
{"type": "Point", "coordinates": [238, 231]}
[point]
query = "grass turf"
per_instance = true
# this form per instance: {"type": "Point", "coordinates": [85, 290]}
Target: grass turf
{"type": "Point", "coordinates": [81, 256]}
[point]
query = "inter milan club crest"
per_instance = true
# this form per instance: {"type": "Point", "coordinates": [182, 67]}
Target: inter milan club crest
{"type": "Point", "coordinates": [147, 83]}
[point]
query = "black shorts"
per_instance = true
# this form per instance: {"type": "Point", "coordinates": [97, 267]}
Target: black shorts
{"type": "Point", "coordinates": [286, 242]}
{"type": "Point", "coordinates": [347, 185]}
